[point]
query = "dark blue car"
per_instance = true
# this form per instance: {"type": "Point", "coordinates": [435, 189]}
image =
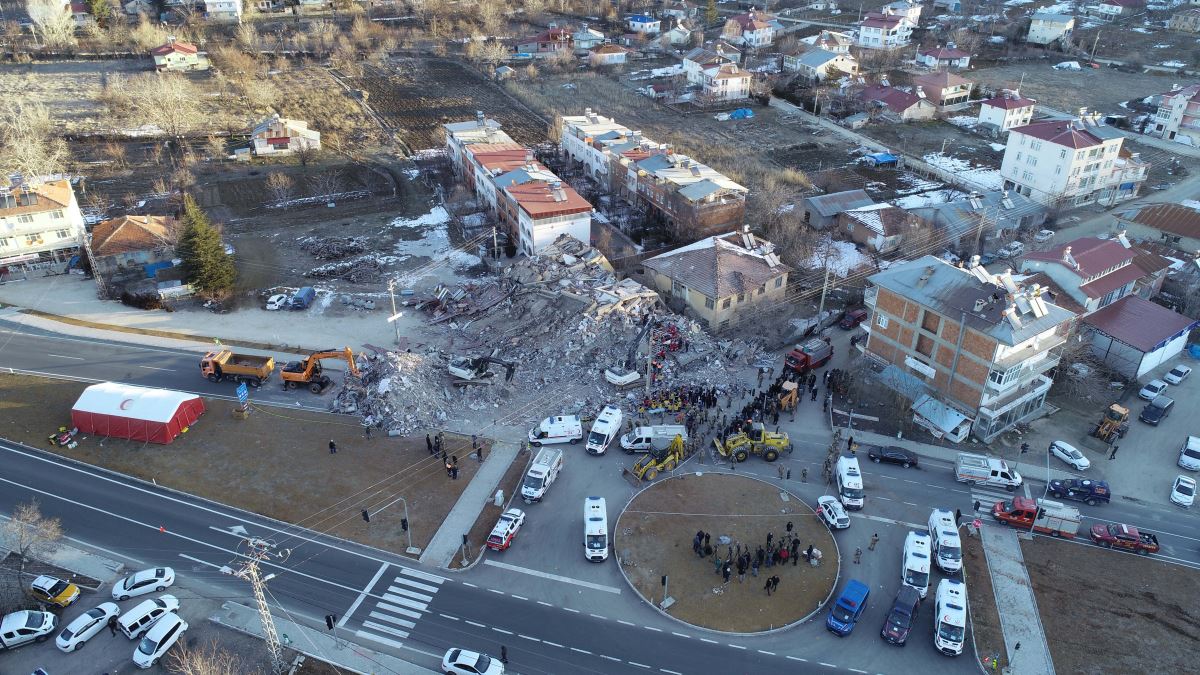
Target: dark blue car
{"type": "Point", "coordinates": [848, 608]}
{"type": "Point", "coordinates": [1090, 492]}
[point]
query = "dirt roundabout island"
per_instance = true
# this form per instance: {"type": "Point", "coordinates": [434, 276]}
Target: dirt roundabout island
{"type": "Point", "coordinates": [654, 536]}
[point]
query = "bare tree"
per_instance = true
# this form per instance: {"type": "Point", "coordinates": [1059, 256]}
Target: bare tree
{"type": "Point", "coordinates": [281, 186]}
{"type": "Point", "coordinates": [147, 35]}
{"type": "Point", "coordinates": [165, 100]}
{"type": "Point", "coordinates": [53, 23]}
{"type": "Point", "coordinates": [326, 183]}
{"type": "Point", "coordinates": [205, 659]}
{"type": "Point", "coordinates": [216, 148]}
{"type": "Point", "coordinates": [30, 534]}
{"type": "Point", "coordinates": [307, 154]}
{"type": "Point", "coordinates": [28, 144]}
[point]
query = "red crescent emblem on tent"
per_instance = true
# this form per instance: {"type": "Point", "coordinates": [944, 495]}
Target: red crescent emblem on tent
{"type": "Point", "coordinates": [126, 403]}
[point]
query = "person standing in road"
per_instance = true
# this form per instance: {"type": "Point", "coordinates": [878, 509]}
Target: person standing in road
{"type": "Point", "coordinates": [429, 443]}
{"type": "Point", "coordinates": [503, 654]}
{"type": "Point", "coordinates": [957, 517]}
{"type": "Point", "coordinates": [332, 447]}
{"type": "Point", "coordinates": [857, 556]}
{"type": "Point", "coordinates": [804, 475]}
{"type": "Point", "coordinates": [112, 625]}
{"type": "Point", "coordinates": [874, 540]}
{"type": "Point", "coordinates": [775, 584]}
{"type": "Point", "coordinates": [725, 573]}
{"type": "Point", "coordinates": [367, 430]}
{"type": "Point", "coordinates": [1113, 454]}
{"type": "Point", "coordinates": [767, 587]}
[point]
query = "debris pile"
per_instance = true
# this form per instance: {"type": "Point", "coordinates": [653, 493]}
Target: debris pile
{"type": "Point", "coordinates": [333, 248]}
{"type": "Point", "coordinates": [363, 269]}
{"type": "Point", "coordinates": [563, 317]}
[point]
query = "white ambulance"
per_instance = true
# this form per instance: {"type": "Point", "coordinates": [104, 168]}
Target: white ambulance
{"type": "Point", "coordinates": [595, 529]}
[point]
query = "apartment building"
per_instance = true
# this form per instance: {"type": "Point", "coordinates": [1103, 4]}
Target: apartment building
{"type": "Point", "coordinates": [543, 210]}
{"type": "Point", "coordinates": [40, 223]}
{"type": "Point", "coordinates": [1070, 163]}
{"type": "Point", "coordinates": [884, 31]}
{"type": "Point", "coordinates": [1045, 28]}
{"type": "Point", "coordinates": [691, 199]}
{"type": "Point", "coordinates": [1185, 21]}
{"type": "Point", "coordinates": [970, 348]}
{"type": "Point", "coordinates": [1178, 115]}
{"type": "Point", "coordinates": [1094, 273]}
{"type": "Point", "coordinates": [1007, 110]}
{"type": "Point", "coordinates": [752, 30]}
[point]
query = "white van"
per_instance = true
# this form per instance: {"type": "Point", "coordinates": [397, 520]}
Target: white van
{"type": "Point", "coordinates": [541, 475]}
{"type": "Point", "coordinates": [850, 484]}
{"type": "Point", "coordinates": [947, 546]}
{"type": "Point", "coordinates": [557, 429]}
{"type": "Point", "coordinates": [604, 429]}
{"type": "Point", "coordinates": [139, 619]}
{"type": "Point", "coordinates": [914, 563]}
{"type": "Point", "coordinates": [595, 529]}
{"type": "Point", "coordinates": [654, 437]}
{"type": "Point", "coordinates": [950, 617]}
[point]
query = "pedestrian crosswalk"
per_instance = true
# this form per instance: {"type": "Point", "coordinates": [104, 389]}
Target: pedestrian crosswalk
{"type": "Point", "coordinates": [987, 497]}
{"type": "Point", "coordinates": [397, 605]}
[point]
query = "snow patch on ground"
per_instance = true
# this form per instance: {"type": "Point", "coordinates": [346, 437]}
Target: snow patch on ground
{"type": "Point", "coordinates": [927, 199]}
{"type": "Point", "coordinates": [1139, 29]}
{"type": "Point", "coordinates": [998, 147]}
{"type": "Point", "coordinates": [986, 178]}
{"type": "Point", "coordinates": [1191, 204]}
{"type": "Point", "coordinates": [843, 258]}
{"type": "Point", "coordinates": [963, 121]}
{"type": "Point", "coordinates": [1172, 64]}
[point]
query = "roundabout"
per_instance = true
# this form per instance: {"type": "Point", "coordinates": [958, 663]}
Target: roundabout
{"type": "Point", "coordinates": [654, 536]}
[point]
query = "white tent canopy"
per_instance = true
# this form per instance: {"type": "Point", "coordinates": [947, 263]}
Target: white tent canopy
{"type": "Point", "coordinates": [123, 400]}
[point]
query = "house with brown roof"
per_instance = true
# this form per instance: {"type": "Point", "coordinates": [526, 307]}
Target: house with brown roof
{"type": "Point", "coordinates": [607, 55]}
{"type": "Point", "coordinates": [902, 104]}
{"type": "Point", "coordinates": [123, 247]}
{"type": "Point", "coordinates": [879, 227]}
{"type": "Point", "coordinates": [40, 222]}
{"type": "Point", "coordinates": [945, 89]}
{"type": "Point", "coordinates": [282, 136]}
{"type": "Point", "coordinates": [179, 56]}
{"type": "Point", "coordinates": [1171, 224]}
{"type": "Point", "coordinates": [720, 279]}
{"type": "Point", "coordinates": [752, 29]}
{"type": "Point", "coordinates": [940, 57]}
{"type": "Point", "coordinates": [547, 43]}
{"type": "Point", "coordinates": [1006, 110]}
{"type": "Point", "coordinates": [1134, 336]}
{"type": "Point", "coordinates": [1095, 272]}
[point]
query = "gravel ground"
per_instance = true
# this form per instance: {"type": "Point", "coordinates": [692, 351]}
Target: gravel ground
{"type": "Point", "coordinates": [1098, 89]}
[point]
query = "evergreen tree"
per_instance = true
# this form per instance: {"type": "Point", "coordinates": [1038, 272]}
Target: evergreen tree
{"type": "Point", "coordinates": [710, 12]}
{"type": "Point", "coordinates": [205, 264]}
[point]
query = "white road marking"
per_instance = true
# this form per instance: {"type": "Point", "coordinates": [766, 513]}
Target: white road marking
{"type": "Point", "coordinates": [529, 638]}
{"type": "Point", "coordinates": [627, 623]}
{"type": "Point", "coordinates": [410, 594]}
{"type": "Point", "coordinates": [501, 630]}
{"type": "Point", "coordinates": [73, 358]}
{"type": "Point", "coordinates": [197, 560]}
{"type": "Point", "coordinates": [573, 611]}
{"type": "Point", "coordinates": [856, 670]}
{"type": "Point", "coordinates": [385, 629]}
{"type": "Point", "coordinates": [398, 610]}
{"type": "Point", "coordinates": [890, 521]}
{"type": "Point", "coordinates": [888, 477]}
{"type": "Point", "coordinates": [541, 602]}
{"type": "Point", "coordinates": [447, 616]}
{"type": "Point", "coordinates": [475, 623]}
{"type": "Point", "coordinates": [713, 642]}
{"type": "Point", "coordinates": [391, 619]}
{"type": "Point", "coordinates": [886, 499]}
{"type": "Point", "coordinates": [909, 503]}
{"type": "Point", "coordinates": [597, 616]}
{"type": "Point", "coordinates": [554, 577]}
{"type": "Point", "coordinates": [466, 583]}
{"type": "Point", "coordinates": [361, 596]}
{"type": "Point", "coordinates": [581, 651]}
{"type": "Point", "coordinates": [610, 658]}
{"type": "Point", "coordinates": [797, 658]}
{"type": "Point", "coordinates": [492, 590]}
{"type": "Point", "coordinates": [827, 665]}
{"type": "Point", "coordinates": [375, 638]}
{"type": "Point", "coordinates": [670, 672]}
{"type": "Point", "coordinates": [682, 635]}
{"type": "Point", "coordinates": [170, 370]}
{"type": "Point", "coordinates": [405, 602]}
{"type": "Point", "coordinates": [416, 584]}
{"type": "Point", "coordinates": [656, 630]}
{"type": "Point", "coordinates": [639, 665]}
{"type": "Point", "coordinates": [735, 646]}
{"type": "Point", "coordinates": [763, 651]}
{"type": "Point", "coordinates": [432, 578]}
{"type": "Point", "coordinates": [552, 644]}
{"type": "Point", "coordinates": [518, 597]}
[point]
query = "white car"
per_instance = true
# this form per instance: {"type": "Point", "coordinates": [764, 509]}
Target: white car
{"type": "Point", "coordinates": [85, 626]}
{"type": "Point", "coordinates": [162, 635]}
{"type": "Point", "coordinates": [1067, 453]}
{"type": "Point", "coordinates": [1068, 65]}
{"type": "Point", "coordinates": [832, 512]}
{"type": "Point", "coordinates": [1152, 389]}
{"type": "Point", "coordinates": [1043, 236]}
{"type": "Point", "coordinates": [1183, 491]}
{"type": "Point", "coordinates": [277, 302]}
{"type": "Point", "coordinates": [141, 583]}
{"type": "Point", "coordinates": [506, 529]}
{"type": "Point", "coordinates": [1178, 374]}
{"type": "Point", "coordinates": [462, 662]}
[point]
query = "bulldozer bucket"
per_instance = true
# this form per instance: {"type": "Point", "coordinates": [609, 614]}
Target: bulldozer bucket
{"type": "Point", "coordinates": [630, 477]}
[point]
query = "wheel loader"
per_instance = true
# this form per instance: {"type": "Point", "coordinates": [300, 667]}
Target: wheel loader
{"type": "Point", "coordinates": [754, 441]}
{"type": "Point", "coordinates": [656, 461]}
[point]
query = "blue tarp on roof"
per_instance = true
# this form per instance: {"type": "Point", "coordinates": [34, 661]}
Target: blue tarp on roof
{"type": "Point", "coordinates": [741, 114]}
{"type": "Point", "coordinates": [881, 158]}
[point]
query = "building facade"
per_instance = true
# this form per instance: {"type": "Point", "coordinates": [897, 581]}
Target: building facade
{"type": "Point", "coordinates": [945, 89]}
{"type": "Point", "coordinates": [976, 342]}
{"type": "Point", "coordinates": [178, 56]}
{"type": "Point", "coordinates": [1178, 115]}
{"type": "Point", "coordinates": [818, 64]}
{"type": "Point", "coordinates": [752, 30]}
{"type": "Point", "coordinates": [40, 224]}
{"type": "Point", "coordinates": [1185, 21]}
{"type": "Point", "coordinates": [1071, 163]}
{"type": "Point", "coordinates": [949, 56]}
{"type": "Point", "coordinates": [282, 136]}
{"type": "Point", "coordinates": [727, 82]}
{"type": "Point", "coordinates": [1045, 29]}
{"type": "Point", "coordinates": [1007, 110]}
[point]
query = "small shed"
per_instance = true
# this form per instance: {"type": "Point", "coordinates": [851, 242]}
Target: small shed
{"type": "Point", "coordinates": [1134, 336]}
{"type": "Point", "coordinates": [137, 413]}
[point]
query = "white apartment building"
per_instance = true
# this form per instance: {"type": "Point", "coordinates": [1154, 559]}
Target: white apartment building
{"type": "Point", "coordinates": [224, 10]}
{"type": "Point", "coordinates": [727, 82]}
{"type": "Point", "coordinates": [585, 138]}
{"type": "Point", "coordinates": [1178, 116]}
{"type": "Point", "coordinates": [461, 134]}
{"type": "Point", "coordinates": [750, 30]}
{"type": "Point", "coordinates": [39, 223]}
{"type": "Point", "coordinates": [1007, 110]}
{"type": "Point", "coordinates": [884, 31]}
{"type": "Point", "coordinates": [1046, 28]}
{"type": "Point", "coordinates": [1070, 162]}
{"type": "Point", "coordinates": [546, 210]}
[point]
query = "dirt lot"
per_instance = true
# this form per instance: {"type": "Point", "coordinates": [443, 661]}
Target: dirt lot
{"type": "Point", "coordinates": [1128, 614]}
{"type": "Point", "coordinates": [418, 96]}
{"type": "Point", "coordinates": [70, 90]}
{"type": "Point", "coordinates": [1131, 41]}
{"type": "Point", "coordinates": [921, 138]}
{"type": "Point", "coordinates": [223, 459]}
{"type": "Point", "coordinates": [1098, 89]}
{"type": "Point", "coordinates": [653, 537]}
{"type": "Point", "coordinates": [981, 603]}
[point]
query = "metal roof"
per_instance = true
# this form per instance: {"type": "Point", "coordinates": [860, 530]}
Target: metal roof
{"type": "Point", "coordinates": [1139, 323]}
{"type": "Point", "coordinates": [836, 202]}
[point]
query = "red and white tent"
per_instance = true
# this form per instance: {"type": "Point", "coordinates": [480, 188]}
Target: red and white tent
{"type": "Point", "coordinates": [136, 413]}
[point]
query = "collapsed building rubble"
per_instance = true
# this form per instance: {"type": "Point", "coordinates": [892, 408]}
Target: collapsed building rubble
{"type": "Point", "coordinates": [362, 269]}
{"type": "Point", "coordinates": [563, 317]}
{"type": "Point", "coordinates": [333, 248]}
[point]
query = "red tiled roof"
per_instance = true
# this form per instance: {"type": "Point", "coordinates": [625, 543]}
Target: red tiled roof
{"type": "Point", "coordinates": [51, 196]}
{"type": "Point", "coordinates": [181, 47]}
{"type": "Point", "coordinates": [1150, 262]}
{"type": "Point", "coordinates": [502, 159]}
{"type": "Point", "coordinates": [751, 21]}
{"type": "Point", "coordinates": [1139, 323]}
{"type": "Point", "coordinates": [940, 80]}
{"type": "Point", "coordinates": [897, 100]}
{"type": "Point", "coordinates": [537, 198]}
{"type": "Point", "coordinates": [945, 53]}
{"type": "Point", "coordinates": [1060, 132]}
{"type": "Point", "coordinates": [1093, 255]}
{"type": "Point", "coordinates": [132, 233]}
{"type": "Point", "coordinates": [1009, 103]}
{"type": "Point", "coordinates": [1171, 218]}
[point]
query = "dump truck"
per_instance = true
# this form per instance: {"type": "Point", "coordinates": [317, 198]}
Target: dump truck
{"type": "Point", "coordinates": [224, 365]}
{"type": "Point", "coordinates": [1124, 537]}
{"type": "Point", "coordinates": [1053, 518]}
{"type": "Point", "coordinates": [654, 437]}
{"type": "Point", "coordinates": [755, 441]}
{"type": "Point", "coordinates": [812, 354]}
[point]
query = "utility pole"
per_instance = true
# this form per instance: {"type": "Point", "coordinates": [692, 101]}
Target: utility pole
{"type": "Point", "coordinates": [395, 315]}
{"type": "Point", "coordinates": [495, 244]}
{"type": "Point", "coordinates": [1095, 43]}
{"type": "Point", "coordinates": [259, 550]}
{"type": "Point", "coordinates": [825, 284]}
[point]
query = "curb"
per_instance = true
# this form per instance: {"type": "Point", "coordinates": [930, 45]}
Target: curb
{"type": "Point", "coordinates": [770, 631]}
{"type": "Point", "coordinates": [507, 504]}
{"type": "Point", "coordinates": [217, 620]}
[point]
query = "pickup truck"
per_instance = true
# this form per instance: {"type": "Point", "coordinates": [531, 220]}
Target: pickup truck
{"type": "Point", "coordinates": [1090, 492]}
{"type": "Point", "coordinates": [1124, 537]}
{"type": "Point", "coordinates": [1042, 515]}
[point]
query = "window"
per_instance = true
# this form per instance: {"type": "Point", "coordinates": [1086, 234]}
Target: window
{"type": "Point", "coordinates": [56, 215]}
{"type": "Point", "coordinates": [33, 239]}
{"type": "Point", "coordinates": [725, 303]}
{"type": "Point", "coordinates": [709, 303]}
{"type": "Point", "coordinates": [1062, 154]}
{"type": "Point", "coordinates": [1026, 176]}
{"type": "Point", "coordinates": [1035, 145]}
{"type": "Point", "coordinates": [63, 234]}
{"type": "Point", "coordinates": [762, 290]}
{"type": "Point", "coordinates": [678, 288]}
{"type": "Point", "coordinates": [778, 282]}
{"type": "Point", "coordinates": [1057, 170]}
{"type": "Point", "coordinates": [25, 218]}
{"type": "Point", "coordinates": [1018, 156]}
{"type": "Point", "coordinates": [881, 320]}
{"type": "Point", "coordinates": [925, 345]}
{"type": "Point", "coordinates": [1031, 160]}
{"type": "Point", "coordinates": [931, 322]}
{"type": "Point", "coordinates": [741, 298]}
{"type": "Point", "coordinates": [4, 242]}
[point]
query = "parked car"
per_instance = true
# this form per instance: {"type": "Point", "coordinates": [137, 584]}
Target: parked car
{"type": "Point", "coordinates": [162, 636]}
{"type": "Point", "coordinates": [1090, 492]}
{"type": "Point", "coordinates": [1069, 454]}
{"type": "Point", "coordinates": [832, 512]}
{"type": "Point", "coordinates": [278, 301]}
{"type": "Point", "coordinates": [141, 583]}
{"type": "Point", "coordinates": [892, 454]}
{"type": "Point", "coordinates": [1152, 389]}
{"type": "Point", "coordinates": [86, 626]}
{"type": "Point", "coordinates": [1183, 491]}
{"type": "Point", "coordinates": [1068, 65]}
{"type": "Point", "coordinates": [1178, 374]}
{"type": "Point", "coordinates": [1189, 454]}
{"type": "Point", "coordinates": [1012, 250]}
{"type": "Point", "coordinates": [462, 662]}
{"type": "Point", "coordinates": [1157, 410]}
{"type": "Point", "coordinates": [54, 591]}
{"type": "Point", "coordinates": [1043, 236]}
{"type": "Point", "coordinates": [852, 319]}
{"type": "Point", "coordinates": [138, 620]}
{"type": "Point", "coordinates": [506, 529]}
{"type": "Point", "coordinates": [899, 621]}
{"type": "Point", "coordinates": [987, 259]}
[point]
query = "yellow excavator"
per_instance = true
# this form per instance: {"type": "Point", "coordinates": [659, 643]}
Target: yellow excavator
{"type": "Point", "coordinates": [308, 373]}
{"type": "Point", "coordinates": [655, 462]}
{"type": "Point", "coordinates": [755, 441]}
{"type": "Point", "coordinates": [1113, 424]}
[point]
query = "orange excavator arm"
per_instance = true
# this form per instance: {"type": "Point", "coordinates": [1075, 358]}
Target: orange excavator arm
{"type": "Point", "coordinates": [345, 354]}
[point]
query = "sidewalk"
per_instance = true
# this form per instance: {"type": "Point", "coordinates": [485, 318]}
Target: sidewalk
{"type": "Point", "coordinates": [317, 644]}
{"type": "Point", "coordinates": [1024, 636]}
{"type": "Point", "coordinates": [448, 539]}
{"type": "Point", "coordinates": [79, 561]}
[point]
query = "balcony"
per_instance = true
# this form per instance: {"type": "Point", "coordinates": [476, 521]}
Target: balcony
{"type": "Point", "coordinates": [870, 295]}
{"type": "Point", "coordinates": [998, 405]}
{"type": "Point", "coordinates": [1024, 355]}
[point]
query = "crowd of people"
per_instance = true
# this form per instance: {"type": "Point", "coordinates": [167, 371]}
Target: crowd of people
{"type": "Point", "coordinates": [738, 558]}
